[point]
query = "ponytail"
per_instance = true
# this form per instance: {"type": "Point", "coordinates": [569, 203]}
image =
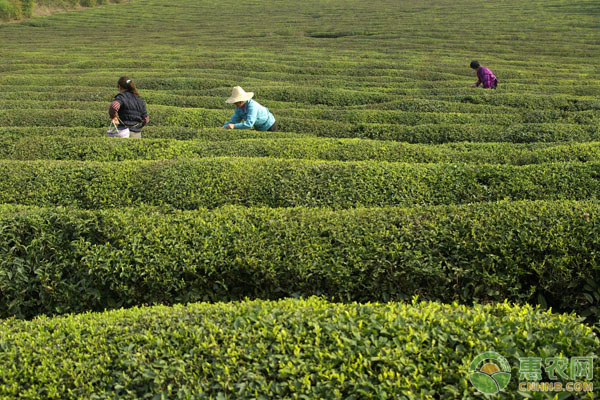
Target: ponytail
{"type": "Point", "coordinates": [127, 84]}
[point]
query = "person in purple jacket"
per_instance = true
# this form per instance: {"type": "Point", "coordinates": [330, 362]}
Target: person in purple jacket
{"type": "Point", "coordinates": [485, 77]}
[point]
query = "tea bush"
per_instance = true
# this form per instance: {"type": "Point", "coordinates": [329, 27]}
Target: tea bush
{"type": "Point", "coordinates": [17, 147]}
{"type": "Point", "coordinates": [437, 133]}
{"type": "Point", "coordinates": [153, 132]}
{"type": "Point", "coordinates": [278, 349]}
{"type": "Point", "coordinates": [213, 182]}
{"type": "Point", "coordinates": [67, 260]}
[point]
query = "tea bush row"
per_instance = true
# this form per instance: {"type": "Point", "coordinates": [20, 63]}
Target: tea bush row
{"type": "Point", "coordinates": [80, 96]}
{"type": "Point", "coordinates": [213, 182]}
{"type": "Point", "coordinates": [299, 121]}
{"type": "Point", "coordinates": [106, 149]}
{"type": "Point", "coordinates": [331, 87]}
{"type": "Point", "coordinates": [529, 101]}
{"type": "Point", "coordinates": [429, 133]}
{"type": "Point", "coordinates": [89, 100]}
{"type": "Point", "coordinates": [306, 348]}
{"type": "Point", "coordinates": [484, 104]}
{"type": "Point", "coordinates": [65, 260]}
{"type": "Point", "coordinates": [151, 132]}
{"type": "Point", "coordinates": [437, 133]}
{"type": "Point", "coordinates": [104, 79]}
{"type": "Point", "coordinates": [418, 118]}
{"type": "Point", "coordinates": [99, 98]}
{"type": "Point", "coordinates": [425, 100]}
{"type": "Point", "coordinates": [315, 65]}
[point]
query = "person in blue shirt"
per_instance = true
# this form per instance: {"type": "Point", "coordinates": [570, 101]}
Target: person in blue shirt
{"type": "Point", "coordinates": [249, 113]}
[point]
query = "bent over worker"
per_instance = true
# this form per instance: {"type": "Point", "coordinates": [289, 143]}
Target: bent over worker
{"type": "Point", "coordinates": [249, 113]}
{"type": "Point", "coordinates": [485, 77]}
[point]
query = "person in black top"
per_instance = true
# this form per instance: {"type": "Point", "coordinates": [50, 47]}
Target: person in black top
{"type": "Point", "coordinates": [128, 110]}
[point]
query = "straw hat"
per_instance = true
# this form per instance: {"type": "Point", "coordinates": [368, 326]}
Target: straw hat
{"type": "Point", "coordinates": [238, 94]}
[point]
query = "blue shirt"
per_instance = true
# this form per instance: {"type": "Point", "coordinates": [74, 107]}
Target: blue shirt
{"type": "Point", "coordinates": [254, 116]}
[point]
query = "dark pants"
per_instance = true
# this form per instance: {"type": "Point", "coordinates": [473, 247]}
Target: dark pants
{"type": "Point", "coordinates": [273, 127]}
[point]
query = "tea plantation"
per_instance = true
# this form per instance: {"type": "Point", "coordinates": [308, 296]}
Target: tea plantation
{"type": "Point", "coordinates": [398, 224]}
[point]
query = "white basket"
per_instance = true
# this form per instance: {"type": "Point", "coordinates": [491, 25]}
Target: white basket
{"type": "Point", "coordinates": [115, 132]}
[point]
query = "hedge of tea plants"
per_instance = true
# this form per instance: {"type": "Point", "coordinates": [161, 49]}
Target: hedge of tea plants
{"type": "Point", "coordinates": [277, 349]}
{"type": "Point", "coordinates": [61, 260]}
{"type": "Point", "coordinates": [256, 182]}
{"type": "Point", "coordinates": [17, 146]}
{"type": "Point", "coordinates": [390, 177]}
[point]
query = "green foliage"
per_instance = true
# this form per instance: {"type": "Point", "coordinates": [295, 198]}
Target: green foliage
{"type": "Point", "coordinates": [10, 10]}
{"type": "Point", "coordinates": [278, 349]}
{"type": "Point", "coordinates": [68, 260]}
{"type": "Point", "coordinates": [430, 134]}
{"type": "Point", "coordinates": [218, 143]}
{"type": "Point", "coordinates": [213, 182]}
{"type": "Point", "coordinates": [27, 7]}
{"type": "Point", "coordinates": [156, 132]}
{"type": "Point", "coordinates": [374, 105]}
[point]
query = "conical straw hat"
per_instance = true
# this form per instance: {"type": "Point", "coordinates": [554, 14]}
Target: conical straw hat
{"type": "Point", "coordinates": [238, 94]}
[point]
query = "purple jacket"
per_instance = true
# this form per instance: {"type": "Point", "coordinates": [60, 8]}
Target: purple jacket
{"type": "Point", "coordinates": [486, 77]}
